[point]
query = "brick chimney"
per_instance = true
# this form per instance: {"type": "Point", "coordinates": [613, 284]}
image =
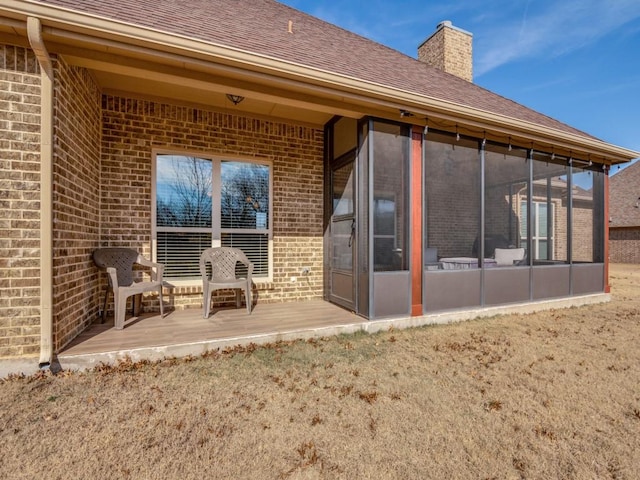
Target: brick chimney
{"type": "Point", "coordinates": [449, 49]}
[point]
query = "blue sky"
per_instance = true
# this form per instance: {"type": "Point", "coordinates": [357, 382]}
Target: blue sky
{"type": "Point", "coordinates": [575, 60]}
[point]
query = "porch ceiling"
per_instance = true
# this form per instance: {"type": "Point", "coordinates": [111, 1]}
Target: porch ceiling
{"type": "Point", "coordinates": [214, 96]}
{"type": "Point", "coordinates": [175, 79]}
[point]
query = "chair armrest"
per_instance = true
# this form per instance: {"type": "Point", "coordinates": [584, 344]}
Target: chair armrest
{"type": "Point", "coordinates": [159, 272]}
{"type": "Point", "coordinates": [159, 268]}
{"type": "Point", "coordinates": [249, 265]}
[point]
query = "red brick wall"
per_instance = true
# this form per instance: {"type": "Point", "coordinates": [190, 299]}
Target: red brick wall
{"type": "Point", "coordinates": [19, 202]}
{"type": "Point", "coordinates": [624, 245]}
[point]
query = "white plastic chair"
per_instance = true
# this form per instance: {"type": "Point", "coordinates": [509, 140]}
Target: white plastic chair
{"type": "Point", "coordinates": [119, 263]}
{"type": "Point", "coordinates": [223, 262]}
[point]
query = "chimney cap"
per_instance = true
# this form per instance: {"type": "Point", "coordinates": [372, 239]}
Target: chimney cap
{"type": "Point", "coordinates": [449, 24]}
{"type": "Point", "coordinates": [441, 25]}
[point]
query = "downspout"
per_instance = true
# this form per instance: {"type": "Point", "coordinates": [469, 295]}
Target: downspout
{"type": "Point", "coordinates": [34, 32]}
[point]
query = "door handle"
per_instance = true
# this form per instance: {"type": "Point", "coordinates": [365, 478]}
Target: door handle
{"type": "Point", "coordinates": [353, 232]}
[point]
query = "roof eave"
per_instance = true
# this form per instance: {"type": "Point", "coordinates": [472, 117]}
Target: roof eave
{"type": "Point", "coordinates": [377, 94]}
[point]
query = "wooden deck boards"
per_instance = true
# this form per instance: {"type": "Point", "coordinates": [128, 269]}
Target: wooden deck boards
{"type": "Point", "coordinates": [188, 326]}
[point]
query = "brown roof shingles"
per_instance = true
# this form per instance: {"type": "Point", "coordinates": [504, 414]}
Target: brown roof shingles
{"type": "Point", "coordinates": [624, 197]}
{"type": "Point", "coordinates": [261, 26]}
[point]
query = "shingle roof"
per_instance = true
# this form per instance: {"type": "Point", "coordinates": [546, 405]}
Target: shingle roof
{"type": "Point", "coordinates": [261, 27]}
{"type": "Point", "coordinates": [624, 197]}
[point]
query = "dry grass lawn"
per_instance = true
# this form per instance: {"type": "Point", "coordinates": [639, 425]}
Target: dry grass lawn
{"type": "Point", "coordinates": [545, 396]}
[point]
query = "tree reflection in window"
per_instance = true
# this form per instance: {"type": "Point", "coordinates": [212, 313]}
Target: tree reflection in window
{"type": "Point", "coordinates": [183, 193]}
{"type": "Point", "coordinates": [245, 195]}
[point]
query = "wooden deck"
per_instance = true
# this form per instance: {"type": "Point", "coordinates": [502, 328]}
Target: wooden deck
{"type": "Point", "coordinates": [186, 332]}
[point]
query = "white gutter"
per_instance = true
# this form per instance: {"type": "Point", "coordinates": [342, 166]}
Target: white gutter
{"type": "Point", "coordinates": [34, 32]}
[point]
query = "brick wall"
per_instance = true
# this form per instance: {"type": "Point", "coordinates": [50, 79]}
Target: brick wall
{"type": "Point", "coordinates": [582, 232]}
{"type": "Point", "coordinates": [76, 187]}
{"type": "Point", "coordinates": [19, 202]}
{"type": "Point", "coordinates": [132, 128]}
{"type": "Point", "coordinates": [624, 244]}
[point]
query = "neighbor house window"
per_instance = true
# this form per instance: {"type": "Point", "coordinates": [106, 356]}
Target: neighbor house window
{"type": "Point", "coordinates": [203, 202]}
{"type": "Point", "coordinates": [542, 228]}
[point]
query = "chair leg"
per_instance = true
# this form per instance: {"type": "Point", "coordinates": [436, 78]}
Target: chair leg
{"type": "Point", "coordinates": [206, 301]}
{"type": "Point", "coordinates": [238, 298]}
{"type": "Point", "coordinates": [120, 310]}
{"type": "Point", "coordinates": [247, 296]}
{"type": "Point", "coordinates": [136, 304]}
{"type": "Point", "coordinates": [161, 303]}
{"type": "Point", "coordinates": [104, 307]}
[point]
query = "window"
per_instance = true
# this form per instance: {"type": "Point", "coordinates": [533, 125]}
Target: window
{"type": "Point", "coordinates": [541, 233]}
{"type": "Point", "coordinates": [202, 202]}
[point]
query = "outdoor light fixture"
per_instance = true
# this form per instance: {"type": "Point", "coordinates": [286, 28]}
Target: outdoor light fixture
{"type": "Point", "coordinates": [457, 134]}
{"type": "Point", "coordinates": [405, 113]}
{"type": "Point", "coordinates": [235, 99]}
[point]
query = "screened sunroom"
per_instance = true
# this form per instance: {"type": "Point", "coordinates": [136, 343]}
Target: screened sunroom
{"type": "Point", "coordinates": [421, 221]}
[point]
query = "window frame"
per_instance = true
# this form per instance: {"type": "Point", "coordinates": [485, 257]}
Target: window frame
{"type": "Point", "coordinates": [534, 232]}
{"type": "Point", "coordinates": [216, 230]}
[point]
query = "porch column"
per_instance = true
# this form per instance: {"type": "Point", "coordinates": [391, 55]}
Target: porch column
{"type": "Point", "coordinates": [416, 220]}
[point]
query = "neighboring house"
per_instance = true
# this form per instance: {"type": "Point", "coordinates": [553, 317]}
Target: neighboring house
{"type": "Point", "coordinates": [624, 215]}
{"type": "Point", "coordinates": [171, 126]}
